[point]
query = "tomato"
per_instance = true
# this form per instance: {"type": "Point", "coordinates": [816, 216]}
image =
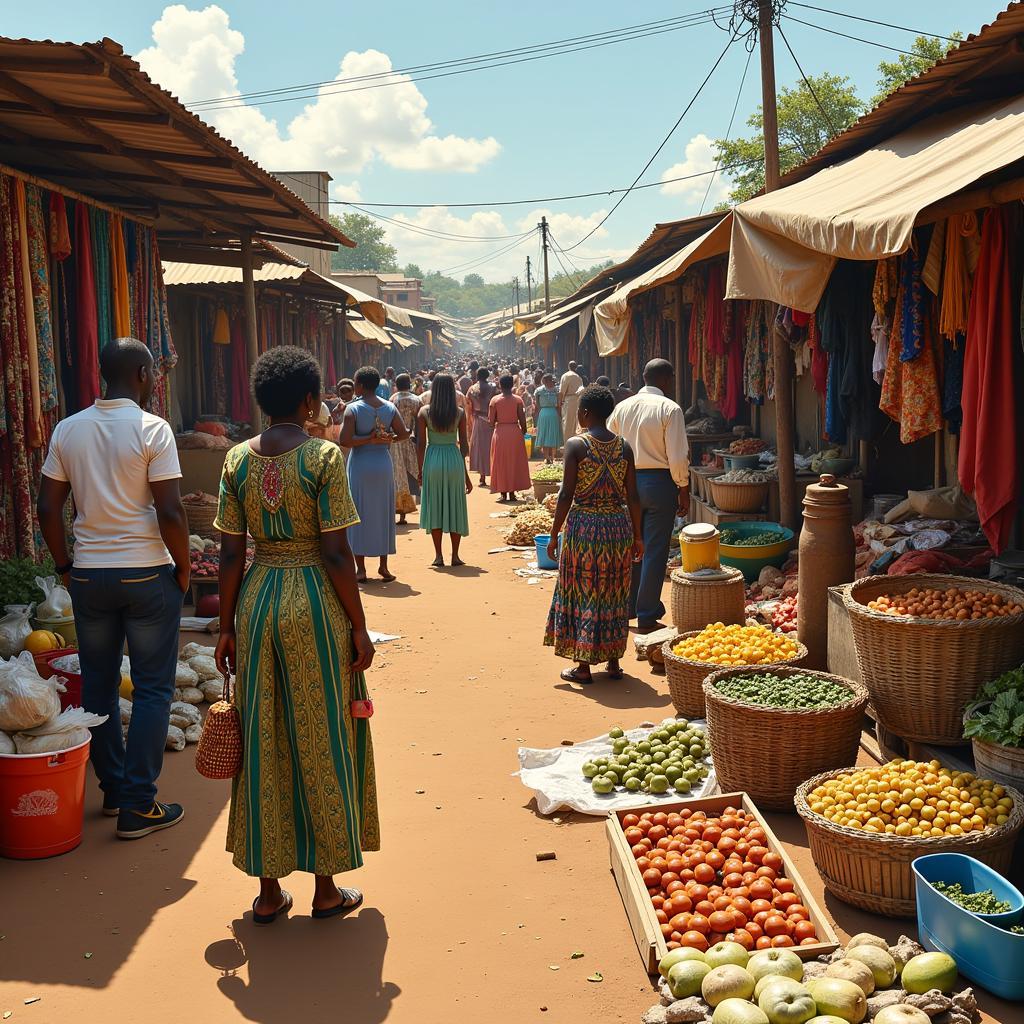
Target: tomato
{"type": "Point", "coordinates": [672, 945]}
{"type": "Point", "coordinates": [749, 878]}
{"type": "Point", "coordinates": [674, 820]}
{"type": "Point", "coordinates": [667, 877]}
{"type": "Point", "coordinates": [714, 891]}
{"type": "Point", "coordinates": [658, 901]}
{"type": "Point", "coordinates": [659, 862]}
{"type": "Point", "coordinates": [766, 872]}
{"type": "Point", "coordinates": [756, 855]}
{"type": "Point", "coordinates": [680, 922]}
{"type": "Point", "coordinates": [757, 906]}
{"type": "Point", "coordinates": [813, 941]}
{"type": "Point", "coordinates": [685, 813]}
{"type": "Point", "coordinates": [715, 859]}
{"type": "Point", "coordinates": [763, 943]}
{"type": "Point", "coordinates": [726, 844]}
{"type": "Point", "coordinates": [739, 919]}
{"type": "Point", "coordinates": [633, 836]}
{"type": "Point", "coordinates": [697, 891]}
{"type": "Point", "coordinates": [755, 931]}
{"type": "Point", "coordinates": [712, 834]}
{"type": "Point", "coordinates": [705, 908]}
{"type": "Point", "coordinates": [660, 818]}
{"type": "Point", "coordinates": [639, 850]}
{"type": "Point", "coordinates": [804, 930]}
{"type": "Point", "coordinates": [681, 901]}
{"type": "Point", "coordinates": [694, 939]}
{"type": "Point", "coordinates": [761, 889]}
{"type": "Point", "coordinates": [743, 905]}
{"type": "Point", "coordinates": [686, 874]}
{"type": "Point", "coordinates": [674, 846]}
{"type": "Point", "coordinates": [773, 860]}
{"type": "Point", "coordinates": [661, 916]}
{"type": "Point", "coordinates": [722, 902]}
{"type": "Point", "coordinates": [757, 835]}
{"type": "Point", "coordinates": [629, 820]}
{"type": "Point", "coordinates": [744, 938]}
{"type": "Point", "coordinates": [774, 924]}
{"type": "Point", "coordinates": [782, 940]}
{"type": "Point", "coordinates": [732, 865]}
{"type": "Point", "coordinates": [785, 900]}
{"type": "Point", "coordinates": [784, 884]}
{"type": "Point", "coordinates": [652, 876]}
{"type": "Point", "coordinates": [699, 923]}
{"type": "Point", "coordinates": [657, 832]}
{"type": "Point", "coordinates": [721, 921]}
{"type": "Point", "coordinates": [733, 880]}
{"type": "Point", "coordinates": [666, 930]}
{"type": "Point", "coordinates": [798, 912]}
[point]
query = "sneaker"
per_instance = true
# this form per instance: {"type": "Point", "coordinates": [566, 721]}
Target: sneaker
{"type": "Point", "coordinates": [111, 807]}
{"type": "Point", "coordinates": [136, 824]}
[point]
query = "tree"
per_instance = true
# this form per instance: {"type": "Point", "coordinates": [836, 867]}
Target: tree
{"type": "Point", "coordinates": [372, 252]}
{"type": "Point", "coordinates": [413, 270]}
{"type": "Point", "coordinates": [472, 281]}
{"type": "Point", "coordinates": [804, 127]}
{"type": "Point", "coordinates": [926, 51]}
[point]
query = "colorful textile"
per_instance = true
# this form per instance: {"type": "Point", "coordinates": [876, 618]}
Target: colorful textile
{"type": "Point", "coordinates": [60, 234]}
{"type": "Point", "coordinates": [911, 305]}
{"type": "Point", "coordinates": [956, 281]}
{"type": "Point", "coordinates": [221, 327]}
{"type": "Point", "coordinates": [87, 352]}
{"type": "Point", "coordinates": [305, 799]}
{"type": "Point", "coordinates": [757, 355]}
{"type": "Point", "coordinates": [510, 470]}
{"type": "Point", "coordinates": [24, 281]}
{"type": "Point", "coordinates": [443, 505]}
{"type": "Point", "coordinates": [371, 479]}
{"type": "Point", "coordinates": [886, 285]}
{"type": "Point", "coordinates": [241, 410]}
{"type": "Point", "coordinates": [99, 227]}
{"type": "Point", "coordinates": [989, 462]}
{"type": "Point", "coordinates": [549, 426]}
{"type": "Point", "coordinates": [39, 268]}
{"type": "Point", "coordinates": [121, 303]}
{"type": "Point", "coordinates": [403, 453]}
{"type": "Point", "coordinates": [589, 617]}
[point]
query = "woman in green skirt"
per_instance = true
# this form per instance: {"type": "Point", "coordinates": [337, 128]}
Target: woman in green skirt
{"type": "Point", "coordinates": [441, 448]}
{"type": "Point", "coordinates": [293, 633]}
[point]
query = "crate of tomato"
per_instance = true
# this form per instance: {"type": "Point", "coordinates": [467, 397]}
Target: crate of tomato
{"type": "Point", "coordinates": [698, 872]}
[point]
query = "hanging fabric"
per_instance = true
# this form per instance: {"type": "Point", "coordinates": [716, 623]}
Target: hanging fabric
{"type": "Point", "coordinates": [240, 407]}
{"type": "Point", "coordinates": [956, 281]}
{"type": "Point", "coordinates": [39, 268]}
{"type": "Point", "coordinates": [911, 305]}
{"type": "Point", "coordinates": [221, 327]}
{"type": "Point", "coordinates": [119, 280]}
{"type": "Point", "coordinates": [99, 225]}
{"type": "Point", "coordinates": [24, 275]}
{"type": "Point", "coordinates": [87, 353]}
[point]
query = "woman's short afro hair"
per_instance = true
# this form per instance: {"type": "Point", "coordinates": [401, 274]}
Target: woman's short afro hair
{"type": "Point", "coordinates": [598, 401]}
{"type": "Point", "coordinates": [283, 377]}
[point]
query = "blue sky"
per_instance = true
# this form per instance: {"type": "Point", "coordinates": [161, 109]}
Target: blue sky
{"type": "Point", "coordinates": [573, 123]}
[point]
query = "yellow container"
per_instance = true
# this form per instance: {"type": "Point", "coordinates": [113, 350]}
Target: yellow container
{"type": "Point", "coordinates": [698, 544]}
{"type": "Point", "coordinates": [529, 445]}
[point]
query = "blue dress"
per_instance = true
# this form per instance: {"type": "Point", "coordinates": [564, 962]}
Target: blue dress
{"type": "Point", "coordinates": [371, 479]}
{"type": "Point", "coordinates": [549, 426]}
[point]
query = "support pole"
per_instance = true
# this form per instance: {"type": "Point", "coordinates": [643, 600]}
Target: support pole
{"type": "Point", "coordinates": [677, 353]}
{"type": "Point", "coordinates": [252, 349]}
{"type": "Point", "coordinates": [547, 283]}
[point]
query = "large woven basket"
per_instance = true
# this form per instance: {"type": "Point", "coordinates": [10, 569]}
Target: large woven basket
{"type": "Point", "coordinates": [921, 673]}
{"type": "Point", "coordinates": [686, 677]}
{"type": "Point", "coordinates": [699, 476]}
{"type": "Point", "coordinates": [696, 602]}
{"type": "Point", "coordinates": [791, 744]}
{"type": "Point", "coordinates": [872, 870]}
{"type": "Point", "coordinates": [737, 497]}
{"type": "Point", "coordinates": [200, 510]}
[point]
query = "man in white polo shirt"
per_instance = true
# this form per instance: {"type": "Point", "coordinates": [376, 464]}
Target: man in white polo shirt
{"type": "Point", "coordinates": [128, 577]}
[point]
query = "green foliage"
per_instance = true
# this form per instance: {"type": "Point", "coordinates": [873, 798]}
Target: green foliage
{"type": "Point", "coordinates": [413, 270]}
{"type": "Point", "coordinates": [18, 580]}
{"type": "Point", "coordinates": [998, 714]}
{"type": "Point", "coordinates": [372, 251]}
{"type": "Point", "coordinates": [926, 51]}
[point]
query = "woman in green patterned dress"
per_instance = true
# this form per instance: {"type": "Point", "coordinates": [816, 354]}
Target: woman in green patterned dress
{"type": "Point", "coordinates": [294, 634]}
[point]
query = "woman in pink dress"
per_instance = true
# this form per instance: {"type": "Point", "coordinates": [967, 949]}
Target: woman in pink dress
{"type": "Point", "coordinates": [510, 472]}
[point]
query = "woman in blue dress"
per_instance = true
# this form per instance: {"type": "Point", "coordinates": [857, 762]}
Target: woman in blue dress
{"type": "Point", "coordinates": [547, 413]}
{"type": "Point", "coordinates": [370, 427]}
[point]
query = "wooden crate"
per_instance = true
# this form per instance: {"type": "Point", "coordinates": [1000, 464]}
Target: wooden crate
{"type": "Point", "coordinates": [704, 512]}
{"type": "Point", "coordinates": [639, 909]}
{"type": "Point", "coordinates": [842, 655]}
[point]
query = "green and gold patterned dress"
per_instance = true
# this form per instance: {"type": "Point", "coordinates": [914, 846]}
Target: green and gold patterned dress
{"type": "Point", "coordinates": [305, 799]}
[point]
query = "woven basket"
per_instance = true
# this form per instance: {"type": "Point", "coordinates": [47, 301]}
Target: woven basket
{"type": "Point", "coordinates": [695, 603]}
{"type": "Point", "coordinates": [686, 677]}
{"type": "Point", "coordinates": [200, 510]}
{"type": "Point", "coordinates": [542, 488]}
{"type": "Point", "coordinates": [738, 497]}
{"type": "Point", "coordinates": [872, 871]}
{"type": "Point", "coordinates": [991, 760]}
{"type": "Point", "coordinates": [792, 744]}
{"type": "Point", "coordinates": [921, 673]}
{"type": "Point", "coordinates": [699, 476]}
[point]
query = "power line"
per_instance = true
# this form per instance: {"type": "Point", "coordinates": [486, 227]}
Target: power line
{"type": "Point", "coordinates": [728, 133]}
{"type": "Point", "coordinates": [810, 88]}
{"type": "Point", "coordinates": [846, 35]}
{"type": "Point", "coordinates": [433, 232]}
{"type": "Point", "coordinates": [874, 21]}
{"type": "Point", "coordinates": [555, 247]}
{"type": "Point", "coordinates": [481, 261]}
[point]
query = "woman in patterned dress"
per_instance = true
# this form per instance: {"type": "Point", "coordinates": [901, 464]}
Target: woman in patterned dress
{"type": "Point", "coordinates": [589, 617]}
{"type": "Point", "coordinates": [547, 416]}
{"type": "Point", "coordinates": [294, 634]}
{"type": "Point", "coordinates": [403, 453]}
{"type": "Point", "coordinates": [478, 401]}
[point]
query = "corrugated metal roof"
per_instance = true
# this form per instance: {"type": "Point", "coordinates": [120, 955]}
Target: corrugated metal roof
{"type": "Point", "coordinates": [201, 273]}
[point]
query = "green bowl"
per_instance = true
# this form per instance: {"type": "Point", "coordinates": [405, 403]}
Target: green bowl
{"type": "Point", "coordinates": [751, 560]}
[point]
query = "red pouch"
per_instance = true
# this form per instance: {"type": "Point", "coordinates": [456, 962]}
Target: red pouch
{"type": "Point", "coordinates": [362, 708]}
{"type": "Point", "coordinates": [361, 705]}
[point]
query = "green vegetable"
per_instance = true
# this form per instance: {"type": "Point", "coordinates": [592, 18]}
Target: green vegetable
{"type": "Point", "coordinates": [997, 715]}
{"type": "Point", "coordinates": [751, 540]}
{"type": "Point", "coordinates": [548, 474]}
{"type": "Point", "coordinates": [18, 580]}
{"type": "Point", "coordinates": [983, 902]}
{"type": "Point", "coordinates": [795, 692]}
{"type": "Point", "coordinates": [1017, 929]}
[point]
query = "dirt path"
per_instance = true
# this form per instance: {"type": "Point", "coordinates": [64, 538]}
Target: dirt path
{"type": "Point", "coordinates": [461, 922]}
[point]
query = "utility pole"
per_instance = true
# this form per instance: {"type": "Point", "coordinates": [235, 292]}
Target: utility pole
{"type": "Point", "coordinates": [547, 282]}
{"type": "Point", "coordinates": [529, 287]}
{"type": "Point", "coordinates": [515, 293]}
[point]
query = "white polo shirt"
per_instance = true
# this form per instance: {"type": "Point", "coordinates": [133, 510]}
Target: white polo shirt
{"type": "Point", "coordinates": [109, 454]}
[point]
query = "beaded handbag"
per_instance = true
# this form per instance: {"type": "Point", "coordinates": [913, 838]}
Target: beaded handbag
{"type": "Point", "coordinates": [219, 754]}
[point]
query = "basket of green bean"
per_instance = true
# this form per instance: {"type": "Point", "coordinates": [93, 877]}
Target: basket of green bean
{"type": "Point", "coordinates": [771, 729]}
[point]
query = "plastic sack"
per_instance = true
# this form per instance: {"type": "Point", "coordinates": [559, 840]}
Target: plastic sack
{"type": "Point", "coordinates": [26, 699]}
{"type": "Point", "coordinates": [15, 626]}
{"type": "Point", "coordinates": [68, 729]}
{"type": "Point", "coordinates": [56, 602]}
{"type": "Point", "coordinates": [6, 744]}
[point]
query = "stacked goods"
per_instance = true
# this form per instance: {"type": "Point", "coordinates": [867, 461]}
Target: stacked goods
{"type": "Point", "coordinates": [950, 604]}
{"type": "Point", "coordinates": [205, 557]}
{"type": "Point", "coordinates": [783, 615]}
{"type": "Point", "coordinates": [551, 473]}
{"type": "Point", "coordinates": [719, 644]}
{"type": "Point", "coordinates": [744, 476]}
{"type": "Point", "coordinates": [747, 446]}
{"type": "Point", "coordinates": [529, 524]}
{"type": "Point", "coordinates": [796, 691]}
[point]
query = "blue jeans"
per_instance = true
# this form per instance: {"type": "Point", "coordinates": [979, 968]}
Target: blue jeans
{"type": "Point", "coordinates": [659, 498]}
{"type": "Point", "coordinates": [144, 607]}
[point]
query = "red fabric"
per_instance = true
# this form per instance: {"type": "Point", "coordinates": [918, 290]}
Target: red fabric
{"type": "Point", "coordinates": [989, 465]}
{"type": "Point", "coordinates": [819, 359]}
{"type": "Point", "coordinates": [937, 561]}
{"type": "Point", "coordinates": [714, 320]}
{"type": "Point", "coordinates": [240, 409]}
{"type": "Point", "coordinates": [734, 363]}
{"type": "Point", "coordinates": [87, 339]}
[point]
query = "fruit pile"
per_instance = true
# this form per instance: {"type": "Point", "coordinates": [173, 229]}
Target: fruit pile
{"type": "Point", "coordinates": [796, 692]}
{"type": "Point", "coordinates": [912, 798]}
{"type": "Point", "coordinates": [784, 615]}
{"type": "Point", "coordinates": [673, 756]}
{"type": "Point", "coordinates": [551, 473]}
{"type": "Point", "coordinates": [206, 563]}
{"type": "Point", "coordinates": [719, 644]}
{"type": "Point", "coordinates": [751, 540]}
{"type": "Point", "coordinates": [715, 879]}
{"type": "Point", "coordinates": [951, 604]}
{"type": "Point", "coordinates": [529, 525]}
{"type": "Point", "coordinates": [747, 446]}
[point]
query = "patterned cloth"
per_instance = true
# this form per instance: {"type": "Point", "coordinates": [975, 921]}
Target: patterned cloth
{"type": "Point", "coordinates": [549, 427]}
{"type": "Point", "coordinates": [589, 617]}
{"type": "Point", "coordinates": [305, 799]}
{"type": "Point", "coordinates": [403, 453]}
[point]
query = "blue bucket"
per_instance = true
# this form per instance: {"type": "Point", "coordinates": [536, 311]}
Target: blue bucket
{"type": "Point", "coordinates": [541, 540]}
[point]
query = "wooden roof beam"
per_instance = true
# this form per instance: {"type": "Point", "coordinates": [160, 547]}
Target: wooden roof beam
{"type": "Point", "coordinates": [92, 113]}
{"type": "Point", "coordinates": [59, 145]}
{"type": "Point", "coordinates": [70, 65]}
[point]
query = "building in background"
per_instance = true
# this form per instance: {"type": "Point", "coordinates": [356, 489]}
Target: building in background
{"type": "Point", "coordinates": [368, 281]}
{"type": "Point", "coordinates": [402, 291]}
{"type": "Point", "coordinates": [312, 187]}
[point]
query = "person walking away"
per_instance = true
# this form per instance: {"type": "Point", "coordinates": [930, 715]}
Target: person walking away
{"type": "Point", "coordinates": [468, 377]}
{"type": "Point", "coordinates": [598, 504]}
{"type": "Point", "coordinates": [478, 402]}
{"type": "Point", "coordinates": [128, 578]}
{"type": "Point", "coordinates": [441, 448]}
{"type": "Point", "coordinates": [546, 417]}
{"type": "Point", "coordinates": [403, 453]}
{"type": "Point", "coordinates": [386, 385]}
{"type": "Point", "coordinates": [510, 470]}
{"type": "Point", "coordinates": [569, 388]}
{"type": "Point", "coordinates": [622, 392]}
{"type": "Point", "coordinates": [371, 425]}
{"type": "Point", "coordinates": [292, 631]}
{"type": "Point", "coordinates": [653, 425]}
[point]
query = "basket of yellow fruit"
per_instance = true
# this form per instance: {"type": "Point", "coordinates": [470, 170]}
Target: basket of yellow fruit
{"type": "Point", "coordinates": [691, 657]}
{"type": "Point", "coordinates": [867, 825]}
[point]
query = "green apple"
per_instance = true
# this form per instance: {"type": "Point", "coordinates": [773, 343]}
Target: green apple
{"type": "Point", "coordinates": [854, 970]}
{"type": "Point", "coordinates": [840, 998]}
{"type": "Point", "coordinates": [775, 961]}
{"type": "Point", "coordinates": [738, 1011]}
{"type": "Point", "coordinates": [727, 953]}
{"type": "Point", "coordinates": [677, 956]}
{"type": "Point", "coordinates": [867, 939]}
{"type": "Point", "coordinates": [784, 1004]}
{"type": "Point", "coordinates": [930, 970]}
{"type": "Point", "coordinates": [901, 1013]}
{"type": "Point", "coordinates": [826, 1018]}
{"type": "Point", "coordinates": [726, 982]}
{"type": "Point", "coordinates": [881, 963]}
{"type": "Point", "coordinates": [780, 980]}
{"type": "Point", "coordinates": [686, 978]}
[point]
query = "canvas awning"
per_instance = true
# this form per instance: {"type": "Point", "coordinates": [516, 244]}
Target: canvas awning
{"type": "Point", "coordinates": [359, 330]}
{"type": "Point", "coordinates": [785, 244]}
{"type": "Point", "coordinates": [403, 341]}
{"type": "Point", "coordinates": [611, 317]}
{"type": "Point", "coordinates": [581, 310]}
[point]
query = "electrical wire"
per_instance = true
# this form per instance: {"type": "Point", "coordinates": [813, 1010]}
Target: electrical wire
{"type": "Point", "coordinates": [461, 67]}
{"type": "Point", "coordinates": [874, 21]}
{"type": "Point", "coordinates": [433, 232]}
{"type": "Point", "coordinates": [558, 256]}
{"type": "Point", "coordinates": [810, 88]}
{"type": "Point", "coordinates": [846, 35]}
{"type": "Point", "coordinates": [728, 133]}
{"type": "Point", "coordinates": [482, 260]}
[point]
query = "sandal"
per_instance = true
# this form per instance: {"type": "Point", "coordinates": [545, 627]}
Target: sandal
{"type": "Point", "coordinates": [573, 675]}
{"type": "Point", "coordinates": [615, 673]}
{"type": "Point", "coordinates": [286, 905]}
{"type": "Point", "coordinates": [344, 907]}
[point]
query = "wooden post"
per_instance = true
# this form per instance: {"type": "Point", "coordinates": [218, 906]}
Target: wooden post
{"type": "Point", "coordinates": [251, 340]}
{"type": "Point", "coordinates": [677, 356]}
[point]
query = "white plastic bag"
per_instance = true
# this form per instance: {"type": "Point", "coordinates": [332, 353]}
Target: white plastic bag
{"type": "Point", "coordinates": [15, 626]}
{"type": "Point", "coordinates": [204, 666]}
{"type": "Point", "coordinates": [6, 744]}
{"type": "Point", "coordinates": [56, 603]}
{"type": "Point", "coordinates": [26, 699]}
{"type": "Point", "coordinates": [61, 732]}
{"type": "Point", "coordinates": [175, 738]}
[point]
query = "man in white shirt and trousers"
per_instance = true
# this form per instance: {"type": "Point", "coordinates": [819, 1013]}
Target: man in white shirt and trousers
{"type": "Point", "coordinates": [569, 388]}
{"type": "Point", "coordinates": [653, 425]}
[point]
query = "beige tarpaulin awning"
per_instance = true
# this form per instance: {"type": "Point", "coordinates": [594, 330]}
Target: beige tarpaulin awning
{"type": "Point", "coordinates": [611, 317]}
{"type": "Point", "coordinates": [397, 315]}
{"type": "Point", "coordinates": [582, 310]}
{"type": "Point", "coordinates": [367, 330]}
{"type": "Point", "coordinates": [785, 244]}
{"type": "Point", "coordinates": [403, 340]}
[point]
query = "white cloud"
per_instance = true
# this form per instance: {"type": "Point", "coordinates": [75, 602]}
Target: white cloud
{"type": "Point", "coordinates": [699, 157]}
{"type": "Point", "coordinates": [194, 56]}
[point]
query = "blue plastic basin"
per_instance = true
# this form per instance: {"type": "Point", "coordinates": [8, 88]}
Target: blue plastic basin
{"type": "Point", "coordinates": [541, 540]}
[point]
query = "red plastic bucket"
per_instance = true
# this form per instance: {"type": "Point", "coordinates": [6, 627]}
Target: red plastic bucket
{"type": "Point", "coordinates": [72, 697]}
{"type": "Point", "coordinates": [42, 802]}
